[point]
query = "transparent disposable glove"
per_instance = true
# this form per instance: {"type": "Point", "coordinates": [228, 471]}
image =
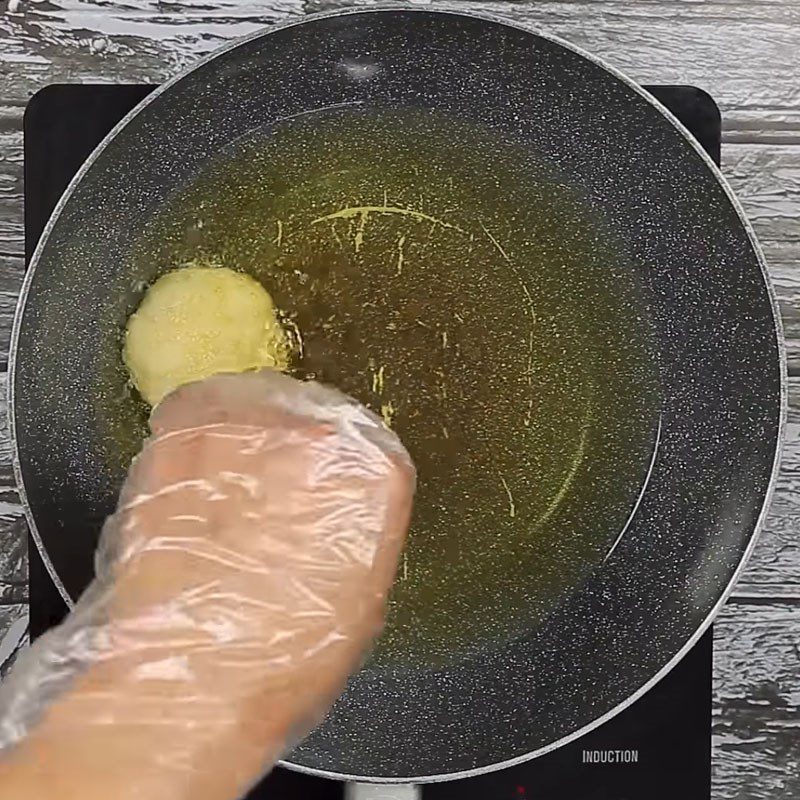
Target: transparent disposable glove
{"type": "Point", "coordinates": [239, 583]}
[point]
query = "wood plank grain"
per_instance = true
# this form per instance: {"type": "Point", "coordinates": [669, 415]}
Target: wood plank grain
{"type": "Point", "coordinates": [756, 720]}
{"type": "Point", "coordinates": [767, 179]}
{"type": "Point", "coordinates": [13, 555]}
{"type": "Point", "coordinates": [11, 232]}
{"type": "Point", "coordinates": [13, 625]}
{"type": "Point", "coordinates": [131, 41]}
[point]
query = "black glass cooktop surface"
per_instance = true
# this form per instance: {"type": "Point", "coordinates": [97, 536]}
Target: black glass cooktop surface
{"type": "Point", "coordinates": [659, 748]}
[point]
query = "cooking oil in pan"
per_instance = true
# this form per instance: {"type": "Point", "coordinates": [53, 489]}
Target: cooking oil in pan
{"type": "Point", "coordinates": [449, 280]}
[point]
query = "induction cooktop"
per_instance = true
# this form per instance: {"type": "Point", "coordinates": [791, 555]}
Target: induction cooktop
{"type": "Point", "coordinates": [659, 748]}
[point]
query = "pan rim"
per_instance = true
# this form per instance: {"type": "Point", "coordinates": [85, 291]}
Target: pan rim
{"type": "Point", "coordinates": [436, 9]}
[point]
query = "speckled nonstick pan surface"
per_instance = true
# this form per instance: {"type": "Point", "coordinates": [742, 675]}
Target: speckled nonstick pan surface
{"type": "Point", "coordinates": [713, 312]}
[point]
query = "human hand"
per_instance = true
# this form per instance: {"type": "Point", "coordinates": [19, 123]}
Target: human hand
{"type": "Point", "coordinates": [240, 582]}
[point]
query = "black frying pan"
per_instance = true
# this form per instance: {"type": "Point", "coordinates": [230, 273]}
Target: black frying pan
{"type": "Point", "coordinates": [714, 325]}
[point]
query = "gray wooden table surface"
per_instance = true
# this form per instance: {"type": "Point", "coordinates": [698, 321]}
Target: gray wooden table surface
{"type": "Point", "coordinates": [745, 52]}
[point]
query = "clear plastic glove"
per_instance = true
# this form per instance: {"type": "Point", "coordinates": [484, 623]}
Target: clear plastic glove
{"type": "Point", "coordinates": [238, 584]}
